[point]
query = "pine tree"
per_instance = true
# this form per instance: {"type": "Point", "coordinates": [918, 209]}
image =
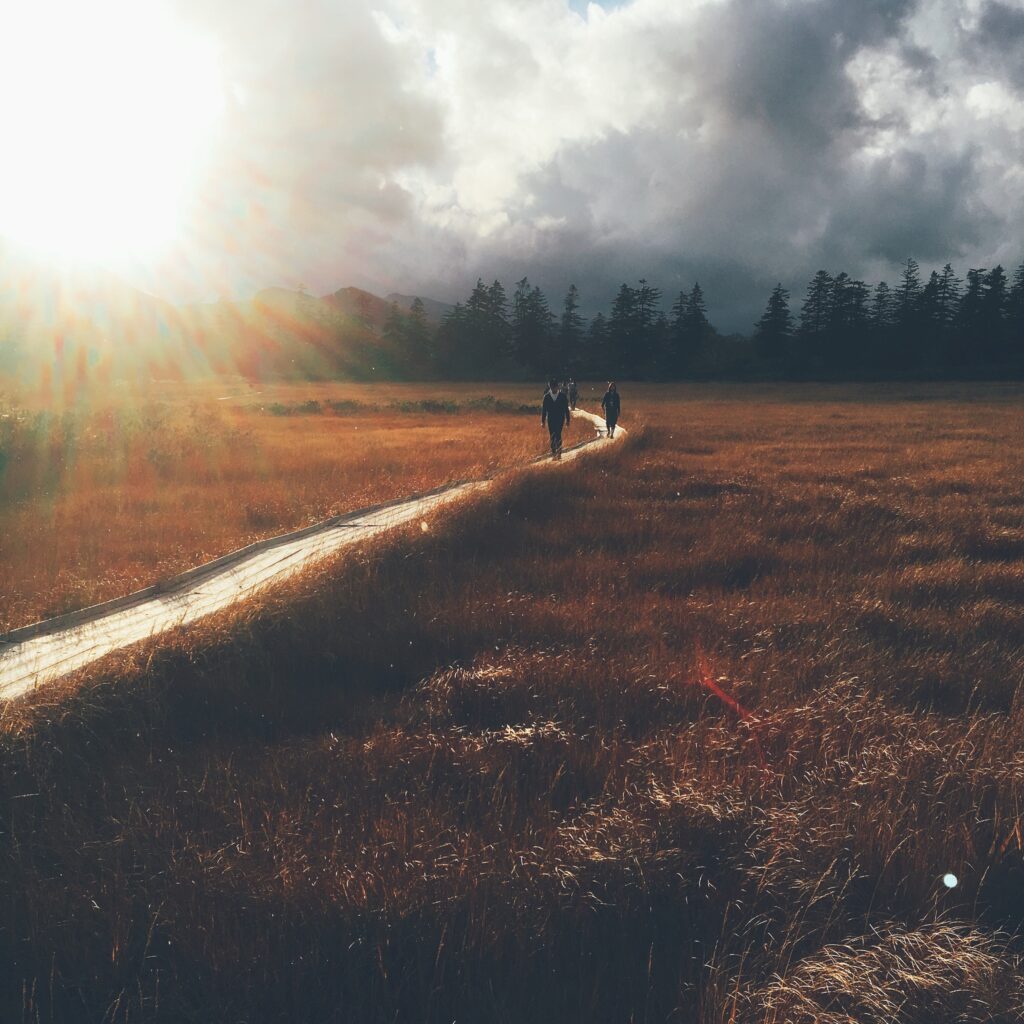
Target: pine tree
{"type": "Point", "coordinates": [418, 342]}
{"type": "Point", "coordinates": [452, 340]}
{"type": "Point", "coordinates": [773, 333]}
{"type": "Point", "coordinates": [816, 313]}
{"type": "Point", "coordinates": [498, 332]}
{"type": "Point", "coordinates": [647, 299]}
{"type": "Point", "coordinates": [908, 294]}
{"type": "Point", "coordinates": [931, 344]}
{"type": "Point", "coordinates": [930, 307]}
{"type": "Point", "coordinates": [687, 332]}
{"type": "Point", "coordinates": [622, 330]}
{"type": "Point", "coordinates": [695, 320]}
{"type": "Point", "coordinates": [477, 336]}
{"type": "Point", "coordinates": [596, 356]}
{"type": "Point", "coordinates": [679, 357]}
{"type": "Point", "coordinates": [1015, 317]}
{"type": "Point", "coordinates": [948, 296]}
{"type": "Point", "coordinates": [910, 340]}
{"type": "Point", "coordinates": [546, 329]}
{"type": "Point", "coordinates": [846, 337]}
{"type": "Point", "coordinates": [479, 344]}
{"type": "Point", "coordinates": [532, 329]}
{"type": "Point", "coordinates": [570, 332]}
{"type": "Point", "coordinates": [970, 319]}
{"type": "Point", "coordinates": [882, 308]}
{"type": "Point", "coordinates": [524, 346]}
{"type": "Point", "coordinates": [995, 297]}
{"type": "Point", "coordinates": [858, 316]}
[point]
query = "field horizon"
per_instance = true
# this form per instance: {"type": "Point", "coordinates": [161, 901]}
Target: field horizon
{"type": "Point", "coordinates": [693, 729]}
{"type": "Point", "coordinates": [340, 699]}
{"type": "Point", "coordinates": [119, 492]}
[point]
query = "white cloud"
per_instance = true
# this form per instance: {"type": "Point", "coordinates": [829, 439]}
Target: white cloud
{"type": "Point", "coordinates": [417, 144]}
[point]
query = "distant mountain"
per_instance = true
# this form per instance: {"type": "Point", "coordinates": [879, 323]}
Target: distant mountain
{"type": "Point", "coordinates": [373, 310]}
{"type": "Point", "coordinates": [435, 309]}
{"type": "Point", "coordinates": [282, 332]}
{"type": "Point", "coordinates": [63, 327]}
{"type": "Point", "coordinates": [366, 308]}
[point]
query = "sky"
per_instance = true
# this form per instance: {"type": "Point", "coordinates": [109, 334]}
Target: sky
{"type": "Point", "coordinates": [415, 145]}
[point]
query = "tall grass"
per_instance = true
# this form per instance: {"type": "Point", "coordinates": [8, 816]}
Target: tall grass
{"type": "Point", "coordinates": [478, 774]}
{"type": "Point", "coordinates": [98, 501]}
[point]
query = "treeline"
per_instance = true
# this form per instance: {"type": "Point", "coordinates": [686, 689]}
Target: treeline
{"type": "Point", "coordinates": [493, 334]}
{"type": "Point", "coordinates": [942, 326]}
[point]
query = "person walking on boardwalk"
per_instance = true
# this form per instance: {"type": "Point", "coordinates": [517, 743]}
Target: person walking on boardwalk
{"type": "Point", "coordinates": [611, 405]}
{"type": "Point", "coordinates": [574, 393]}
{"type": "Point", "coordinates": [555, 415]}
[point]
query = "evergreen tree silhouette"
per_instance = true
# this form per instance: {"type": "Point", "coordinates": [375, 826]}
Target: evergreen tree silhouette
{"type": "Point", "coordinates": [815, 320]}
{"type": "Point", "coordinates": [882, 316]}
{"type": "Point", "coordinates": [570, 332]}
{"type": "Point", "coordinates": [816, 312]}
{"type": "Point", "coordinates": [531, 328]}
{"type": "Point", "coordinates": [596, 355]}
{"type": "Point", "coordinates": [908, 315]}
{"type": "Point", "coordinates": [881, 323]}
{"type": "Point", "coordinates": [689, 329]}
{"type": "Point", "coordinates": [647, 299]}
{"type": "Point", "coordinates": [418, 341]}
{"type": "Point", "coordinates": [994, 300]}
{"type": "Point", "coordinates": [679, 355]}
{"type": "Point", "coordinates": [1015, 319]}
{"type": "Point", "coordinates": [773, 333]}
{"type": "Point", "coordinates": [948, 296]}
{"type": "Point", "coordinates": [623, 326]}
{"type": "Point", "coordinates": [970, 320]}
{"type": "Point", "coordinates": [846, 337]}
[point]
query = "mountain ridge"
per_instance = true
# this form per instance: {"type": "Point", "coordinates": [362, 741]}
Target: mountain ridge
{"type": "Point", "coordinates": [69, 323]}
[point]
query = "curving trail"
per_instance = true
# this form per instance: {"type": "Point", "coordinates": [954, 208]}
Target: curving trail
{"type": "Point", "coordinates": [47, 650]}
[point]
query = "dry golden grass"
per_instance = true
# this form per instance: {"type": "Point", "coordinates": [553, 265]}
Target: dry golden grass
{"type": "Point", "coordinates": [478, 774]}
{"type": "Point", "coordinates": [101, 499]}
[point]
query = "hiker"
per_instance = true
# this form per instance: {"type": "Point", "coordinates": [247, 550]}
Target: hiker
{"type": "Point", "coordinates": [611, 405]}
{"type": "Point", "coordinates": [555, 414]}
{"type": "Point", "coordinates": [574, 393]}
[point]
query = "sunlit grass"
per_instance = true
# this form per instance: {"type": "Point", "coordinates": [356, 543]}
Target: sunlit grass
{"type": "Point", "coordinates": [99, 500]}
{"type": "Point", "coordinates": [476, 774]}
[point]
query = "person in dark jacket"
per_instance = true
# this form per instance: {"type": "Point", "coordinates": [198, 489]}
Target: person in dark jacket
{"type": "Point", "coordinates": [611, 405]}
{"type": "Point", "coordinates": [574, 394]}
{"type": "Point", "coordinates": [555, 415]}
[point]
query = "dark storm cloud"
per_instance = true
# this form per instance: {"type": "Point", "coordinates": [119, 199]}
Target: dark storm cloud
{"type": "Point", "coordinates": [1001, 25]}
{"type": "Point", "coordinates": [1000, 34]}
{"type": "Point", "coordinates": [744, 191]}
{"type": "Point", "coordinates": [910, 203]}
{"type": "Point", "coordinates": [784, 64]}
{"type": "Point", "coordinates": [769, 173]}
{"type": "Point", "coordinates": [420, 145]}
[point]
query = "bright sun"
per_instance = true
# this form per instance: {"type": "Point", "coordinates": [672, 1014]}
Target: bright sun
{"type": "Point", "coordinates": [106, 111]}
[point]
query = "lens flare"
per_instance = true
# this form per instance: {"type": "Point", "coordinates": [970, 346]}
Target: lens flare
{"type": "Point", "coordinates": [108, 110]}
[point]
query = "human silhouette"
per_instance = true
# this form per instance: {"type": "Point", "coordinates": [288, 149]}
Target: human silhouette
{"type": "Point", "coordinates": [555, 415]}
{"type": "Point", "coordinates": [611, 405]}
